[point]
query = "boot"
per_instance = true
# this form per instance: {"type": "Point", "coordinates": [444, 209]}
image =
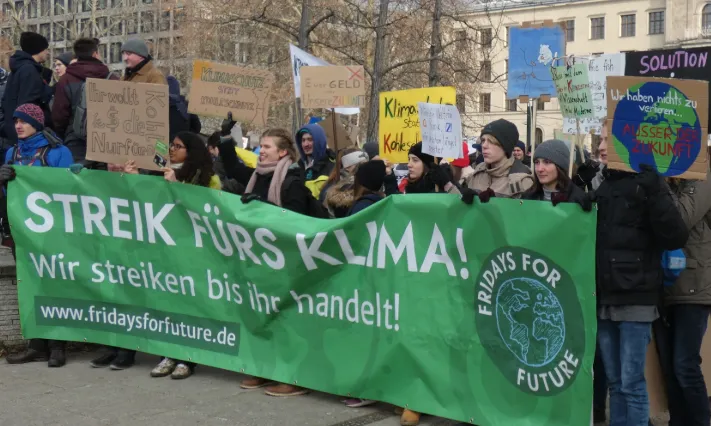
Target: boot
{"type": "Point", "coordinates": [57, 358]}
{"type": "Point", "coordinates": [30, 355]}
{"type": "Point", "coordinates": [409, 418]}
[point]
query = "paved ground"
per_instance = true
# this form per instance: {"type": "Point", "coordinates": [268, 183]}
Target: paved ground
{"type": "Point", "coordinates": [79, 395]}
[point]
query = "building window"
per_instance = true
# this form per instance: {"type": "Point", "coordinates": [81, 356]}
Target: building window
{"type": "Point", "coordinates": [485, 102]}
{"type": "Point", "coordinates": [508, 34]}
{"type": "Point", "coordinates": [486, 38]}
{"type": "Point", "coordinates": [147, 19]}
{"type": "Point", "coordinates": [243, 52]}
{"type": "Point", "coordinates": [33, 9]}
{"type": "Point", "coordinates": [116, 27]}
{"type": "Point", "coordinates": [541, 106]}
{"type": "Point", "coordinates": [178, 18]}
{"type": "Point", "coordinates": [461, 40]}
{"type": "Point", "coordinates": [59, 31]}
{"type": "Point", "coordinates": [512, 105]}
{"type": "Point", "coordinates": [45, 8]}
{"type": "Point", "coordinates": [59, 7]}
{"type": "Point", "coordinates": [115, 53]}
{"type": "Point", "coordinates": [656, 22]}
{"type": "Point", "coordinates": [570, 30]}
{"type": "Point", "coordinates": [597, 28]}
{"type": "Point", "coordinates": [102, 50]}
{"type": "Point", "coordinates": [45, 30]}
{"type": "Point", "coordinates": [485, 71]}
{"type": "Point", "coordinates": [165, 21]}
{"type": "Point", "coordinates": [462, 103]}
{"type": "Point", "coordinates": [628, 25]}
{"type": "Point", "coordinates": [706, 18]}
{"type": "Point", "coordinates": [132, 24]}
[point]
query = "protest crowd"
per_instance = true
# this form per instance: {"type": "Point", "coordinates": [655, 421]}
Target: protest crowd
{"type": "Point", "coordinates": [645, 221]}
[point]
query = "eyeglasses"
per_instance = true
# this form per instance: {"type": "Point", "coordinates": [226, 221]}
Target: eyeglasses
{"type": "Point", "coordinates": [176, 147]}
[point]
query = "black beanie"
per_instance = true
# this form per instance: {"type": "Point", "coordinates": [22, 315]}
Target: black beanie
{"type": "Point", "coordinates": [33, 43]}
{"type": "Point", "coordinates": [416, 150]}
{"type": "Point", "coordinates": [505, 132]}
{"type": "Point", "coordinates": [371, 175]}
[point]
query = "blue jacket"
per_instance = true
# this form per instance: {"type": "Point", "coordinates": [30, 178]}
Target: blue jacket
{"type": "Point", "coordinates": [59, 156]}
{"type": "Point", "coordinates": [364, 202]}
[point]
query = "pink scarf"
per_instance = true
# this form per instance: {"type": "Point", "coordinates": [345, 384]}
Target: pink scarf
{"type": "Point", "coordinates": [279, 169]}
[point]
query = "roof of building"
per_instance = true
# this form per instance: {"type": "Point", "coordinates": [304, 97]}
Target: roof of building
{"type": "Point", "coordinates": [481, 5]}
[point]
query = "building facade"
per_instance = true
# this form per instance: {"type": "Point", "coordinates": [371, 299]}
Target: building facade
{"type": "Point", "coordinates": [591, 27]}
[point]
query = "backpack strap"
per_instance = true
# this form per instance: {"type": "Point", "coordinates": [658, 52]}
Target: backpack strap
{"type": "Point", "coordinates": [43, 155]}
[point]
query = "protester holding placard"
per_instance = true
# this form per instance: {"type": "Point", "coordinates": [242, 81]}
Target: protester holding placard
{"type": "Point", "coordinates": [500, 174]}
{"type": "Point", "coordinates": [425, 176]}
{"type": "Point", "coordinates": [317, 159]}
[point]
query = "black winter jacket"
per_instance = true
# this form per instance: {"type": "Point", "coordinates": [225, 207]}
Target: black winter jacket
{"type": "Point", "coordinates": [293, 191]}
{"type": "Point", "coordinates": [632, 232]}
{"type": "Point", "coordinates": [25, 85]}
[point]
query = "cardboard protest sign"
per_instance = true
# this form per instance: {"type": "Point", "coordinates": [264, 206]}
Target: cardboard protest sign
{"type": "Point", "coordinates": [399, 126]}
{"type": "Point", "coordinates": [441, 128]}
{"type": "Point", "coordinates": [658, 122]}
{"type": "Point", "coordinates": [599, 68]}
{"type": "Point", "coordinates": [573, 88]}
{"type": "Point", "coordinates": [300, 59]}
{"type": "Point", "coordinates": [127, 121]}
{"type": "Point", "coordinates": [340, 140]}
{"type": "Point", "coordinates": [218, 89]}
{"type": "Point", "coordinates": [332, 86]}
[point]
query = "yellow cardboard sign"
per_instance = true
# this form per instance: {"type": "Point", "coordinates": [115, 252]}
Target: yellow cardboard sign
{"type": "Point", "coordinates": [399, 124]}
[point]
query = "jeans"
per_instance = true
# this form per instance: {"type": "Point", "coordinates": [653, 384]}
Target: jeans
{"type": "Point", "coordinates": [624, 351]}
{"type": "Point", "coordinates": [686, 388]}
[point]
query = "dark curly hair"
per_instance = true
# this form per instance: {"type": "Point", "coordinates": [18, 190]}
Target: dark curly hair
{"type": "Point", "coordinates": [197, 168]}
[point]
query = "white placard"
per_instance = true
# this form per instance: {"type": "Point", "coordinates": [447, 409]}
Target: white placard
{"type": "Point", "coordinates": [599, 68]}
{"type": "Point", "coordinates": [441, 128]}
{"type": "Point", "coordinates": [299, 59]}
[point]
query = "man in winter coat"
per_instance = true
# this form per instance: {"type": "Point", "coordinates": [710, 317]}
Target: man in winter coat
{"type": "Point", "coordinates": [179, 118]}
{"type": "Point", "coordinates": [637, 221]}
{"type": "Point", "coordinates": [688, 305]}
{"type": "Point", "coordinates": [26, 84]}
{"type": "Point", "coordinates": [139, 63]}
{"type": "Point", "coordinates": [500, 171]}
{"type": "Point", "coordinates": [68, 93]}
{"type": "Point", "coordinates": [316, 158]}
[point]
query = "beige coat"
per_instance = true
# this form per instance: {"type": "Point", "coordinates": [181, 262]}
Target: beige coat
{"type": "Point", "coordinates": [509, 178]}
{"type": "Point", "coordinates": [148, 74]}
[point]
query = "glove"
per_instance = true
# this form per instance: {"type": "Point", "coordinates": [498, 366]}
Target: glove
{"type": "Point", "coordinates": [468, 195]}
{"type": "Point", "coordinates": [580, 198]}
{"type": "Point", "coordinates": [488, 194]}
{"type": "Point", "coordinates": [248, 198]}
{"type": "Point", "coordinates": [227, 125]}
{"type": "Point", "coordinates": [7, 173]}
{"type": "Point", "coordinates": [649, 180]}
{"type": "Point", "coordinates": [439, 177]}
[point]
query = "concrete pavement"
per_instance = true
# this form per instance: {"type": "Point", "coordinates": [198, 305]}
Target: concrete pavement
{"type": "Point", "coordinates": [79, 395]}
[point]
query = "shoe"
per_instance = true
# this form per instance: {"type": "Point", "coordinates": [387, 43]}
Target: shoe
{"type": "Point", "coordinates": [122, 362]}
{"type": "Point", "coordinates": [357, 402]}
{"type": "Point", "coordinates": [164, 368]}
{"type": "Point", "coordinates": [409, 418]}
{"type": "Point", "coordinates": [181, 371]}
{"type": "Point", "coordinates": [282, 389]}
{"type": "Point", "coordinates": [104, 360]}
{"type": "Point", "coordinates": [252, 382]}
{"type": "Point", "coordinates": [30, 355]}
{"type": "Point", "coordinates": [57, 359]}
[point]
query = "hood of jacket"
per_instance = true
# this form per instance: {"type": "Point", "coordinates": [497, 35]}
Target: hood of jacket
{"type": "Point", "coordinates": [341, 193]}
{"type": "Point", "coordinates": [320, 143]}
{"type": "Point", "coordinates": [20, 59]}
{"type": "Point", "coordinates": [88, 69]}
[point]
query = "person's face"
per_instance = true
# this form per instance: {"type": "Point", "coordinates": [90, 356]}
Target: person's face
{"type": "Point", "coordinates": [59, 68]}
{"type": "Point", "coordinates": [546, 172]}
{"type": "Point", "coordinates": [415, 167]}
{"type": "Point", "coordinates": [178, 152]}
{"type": "Point", "coordinates": [307, 143]}
{"type": "Point", "coordinates": [603, 145]}
{"type": "Point", "coordinates": [269, 152]}
{"type": "Point", "coordinates": [214, 151]}
{"type": "Point", "coordinates": [131, 59]}
{"type": "Point", "coordinates": [24, 130]}
{"type": "Point", "coordinates": [42, 56]}
{"type": "Point", "coordinates": [518, 153]}
{"type": "Point", "coordinates": [491, 150]}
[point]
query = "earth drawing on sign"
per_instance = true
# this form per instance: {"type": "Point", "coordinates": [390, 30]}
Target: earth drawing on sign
{"type": "Point", "coordinates": [530, 320]}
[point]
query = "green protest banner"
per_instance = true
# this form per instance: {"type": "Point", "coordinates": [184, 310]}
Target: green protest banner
{"type": "Point", "coordinates": [464, 312]}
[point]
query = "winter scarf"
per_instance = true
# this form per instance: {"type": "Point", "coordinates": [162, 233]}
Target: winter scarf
{"type": "Point", "coordinates": [279, 170]}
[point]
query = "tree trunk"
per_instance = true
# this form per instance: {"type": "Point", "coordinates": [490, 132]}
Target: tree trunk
{"type": "Point", "coordinates": [303, 45]}
{"type": "Point", "coordinates": [436, 45]}
{"type": "Point", "coordinates": [378, 60]}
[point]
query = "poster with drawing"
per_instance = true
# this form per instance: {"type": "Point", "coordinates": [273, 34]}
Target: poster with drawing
{"type": "Point", "coordinates": [531, 54]}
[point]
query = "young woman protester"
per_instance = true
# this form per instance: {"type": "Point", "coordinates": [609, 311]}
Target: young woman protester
{"type": "Point", "coordinates": [500, 175]}
{"type": "Point", "coordinates": [425, 176]}
{"type": "Point", "coordinates": [369, 181]}
{"type": "Point", "coordinates": [551, 163]}
{"type": "Point", "coordinates": [337, 193]}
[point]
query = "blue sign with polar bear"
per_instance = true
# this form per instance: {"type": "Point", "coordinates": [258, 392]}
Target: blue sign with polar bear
{"type": "Point", "coordinates": [532, 52]}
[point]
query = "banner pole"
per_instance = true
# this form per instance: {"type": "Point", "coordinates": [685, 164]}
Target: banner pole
{"type": "Point", "coordinates": [335, 130]}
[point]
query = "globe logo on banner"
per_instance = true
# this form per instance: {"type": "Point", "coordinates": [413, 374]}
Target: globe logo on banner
{"type": "Point", "coordinates": [655, 124]}
{"type": "Point", "coordinates": [529, 320]}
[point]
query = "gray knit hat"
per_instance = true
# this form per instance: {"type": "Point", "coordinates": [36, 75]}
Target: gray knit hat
{"type": "Point", "coordinates": [555, 151]}
{"type": "Point", "coordinates": [136, 46]}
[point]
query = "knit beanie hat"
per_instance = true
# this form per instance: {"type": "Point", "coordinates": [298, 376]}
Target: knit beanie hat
{"type": "Point", "coordinates": [416, 150]}
{"type": "Point", "coordinates": [136, 46]}
{"type": "Point", "coordinates": [520, 145]}
{"type": "Point", "coordinates": [505, 132]}
{"type": "Point", "coordinates": [372, 149]}
{"type": "Point", "coordinates": [371, 175]}
{"type": "Point", "coordinates": [31, 114]}
{"type": "Point", "coordinates": [555, 151]}
{"type": "Point", "coordinates": [33, 43]}
{"type": "Point", "coordinates": [65, 58]}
